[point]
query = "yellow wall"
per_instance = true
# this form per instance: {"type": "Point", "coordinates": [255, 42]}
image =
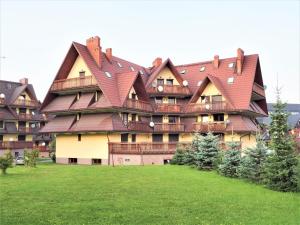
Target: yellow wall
{"type": "Point", "coordinates": [78, 66]}
{"type": "Point", "coordinates": [210, 90]}
{"type": "Point", "coordinates": [247, 140]}
{"type": "Point", "coordinates": [7, 137]}
{"type": "Point", "coordinates": [28, 138]}
{"type": "Point", "coordinates": [165, 74]}
{"type": "Point", "coordinates": [185, 137]}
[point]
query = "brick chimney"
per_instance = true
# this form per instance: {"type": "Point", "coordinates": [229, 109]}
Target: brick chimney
{"type": "Point", "coordinates": [24, 81]}
{"type": "Point", "coordinates": [94, 47]}
{"type": "Point", "coordinates": [216, 61]}
{"type": "Point", "coordinates": [108, 54]}
{"type": "Point", "coordinates": [157, 62]}
{"type": "Point", "coordinates": [239, 61]}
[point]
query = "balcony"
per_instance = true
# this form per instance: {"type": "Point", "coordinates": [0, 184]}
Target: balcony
{"type": "Point", "coordinates": [138, 105]}
{"type": "Point", "coordinates": [27, 129]}
{"type": "Point", "coordinates": [15, 144]}
{"type": "Point", "coordinates": [42, 148]}
{"type": "Point", "coordinates": [168, 127]}
{"type": "Point", "coordinates": [210, 127]}
{"type": "Point", "coordinates": [258, 89]}
{"type": "Point", "coordinates": [169, 90]}
{"type": "Point", "coordinates": [25, 116]}
{"type": "Point", "coordinates": [207, 107]}
{"type": "Point", "coordinates": [144, 147]}
{"type": "Point", "coordinates": [26, 103]}
{"type": "Point", "coordinates": [139, 126]}
{"type": "Point", "coordinates": [74, 83]}
{"type": "Point", "coordinates": [168, 108]}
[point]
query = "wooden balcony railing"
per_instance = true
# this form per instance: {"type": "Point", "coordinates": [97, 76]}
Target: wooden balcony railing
{"type": "Point", "coordinates": [169, 108]}
{"type": "Point", "coordinates": [27, 129]}
{"type": "Point", "coordinates": [25, 116]}
{"type": "Point", "coordinates": [144, 147]}
{"type": "Point", "coordinates": [210, 126]}
{"type": "Point", "coordinates": [169, 89]}
{"type": "Point", "coordinates": [139, 126]}
{"type": "Point", "coordinates": [73, 83]}
{"type": "Point", "coordinates": [207, 107]}
{"type": "Point", "coordinates": [168, 127]}
{"type": "Point", "coordinates": [42, 148]}
{"type": "Point", "coordinates": [25, 102]}
{"type": "Point", "coordinates": [15, 144]}
{"type": "Point", "coordinates": [138, 105]}
{"type": "Point", "coordinates": [258, 89]}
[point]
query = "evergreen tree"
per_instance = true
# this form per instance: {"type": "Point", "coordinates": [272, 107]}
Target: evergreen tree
{"type": "Point", "coordinates": [281, 167]}
{"type": "Point", "coordinates": [252, 164]}
{"type": "Point", "coordinates": [178, 158]}
{"type": "Point", "coordinates": [231, 161]}
{"type": "Point", "coordinates": [207, 151]}
{"type": "Point", "coordinates": [189, 157]}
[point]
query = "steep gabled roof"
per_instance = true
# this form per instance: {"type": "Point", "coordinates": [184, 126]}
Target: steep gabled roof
{"type": "Point", "coordinates": [19, 90]}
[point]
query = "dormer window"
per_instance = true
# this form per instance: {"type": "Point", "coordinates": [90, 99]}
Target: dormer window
{"type": "Point", "coordinates": [81, 73]}
{"type": "Point", "coordinates": [230, 80]}
{"type": "Point", "coordinates": [199, 83]}
{"type": "Point", "coordinates": [141, 72]}
{"type": "Point", "coordinates": [108, 74]}
{"type": "Point", "coordinates": [132, 69]}
{"type": "Point", "coordinates": [119, 64]}
{"type": "Point", "coordinates": [182, 71]}
{"type": "Point", "coordinates": [231, 65]}
{"type": "Point", "coordinates": [202, 68]}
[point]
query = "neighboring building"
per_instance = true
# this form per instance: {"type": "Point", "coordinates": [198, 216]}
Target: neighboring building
{"type": "Point", "coordinates": [111, 111]}
{"type": "Point", "coordinates": [20, 118]}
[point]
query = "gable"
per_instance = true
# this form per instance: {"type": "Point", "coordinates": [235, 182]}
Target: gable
{"type": "Point", "coordinates": [210, 90]}
{"type": "Point", "coordinates": [165, 74]}
{"type": "Point", "coordinates": [78, 66]}
{"type": "Point", "coordinates": [132, 91]}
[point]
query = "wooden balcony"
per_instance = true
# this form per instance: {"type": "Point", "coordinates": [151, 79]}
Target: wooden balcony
{"type": "Point", "coordinates": [16, 144]}
{"type": "Point", "coordinates": [210, 127]}
{"type": "Point", "coordinates": [207, 107]}
{"type": "Point", "coordinates": [74, 83]}
{"type": "Point", "coordinates": [258, 89]}
{"type": "Point", "coordinates": [25, 116]}
{"type": "Point", "coordinates": [168, 127]}
{"type": "Point", "coordinates": [139, 126]}
{"type": "Point", "coordinates": [138, 105]}
{"type": "Point", "coordinates": [26, 103]}
{"type": "Point", "coordinates": [27, 129]}
{"type": "Point", "coordinates": [169, 90]}
{"type": "Point", "coordinates": [144, 147]}
{"type": "Point", "coordinates": [42, 148]}
{"type": "Point", "coordinates": [168, 108]}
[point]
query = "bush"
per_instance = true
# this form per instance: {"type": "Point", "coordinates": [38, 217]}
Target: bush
{"type": "Point", "coordinates": [231, 161]}
{"type": "Point", "coordinates": [6, 161]}
{"type": "Point", "coordinates": [178, 158]}
{"type": "Point", "coordinates": [31, 158]}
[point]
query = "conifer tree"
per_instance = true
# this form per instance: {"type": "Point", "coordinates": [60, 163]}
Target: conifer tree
{"type": "Point", "coordinates": [178, 158]}
{"type": "Point", "coordinates": [281, 167]}
{"type": "Point", "coordinates": [231, 161]}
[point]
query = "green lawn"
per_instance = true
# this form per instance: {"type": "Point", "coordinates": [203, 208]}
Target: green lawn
{"type": "Point", "coordinates": [62, 194]}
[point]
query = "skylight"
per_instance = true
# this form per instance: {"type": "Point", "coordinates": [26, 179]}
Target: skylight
{"type": "Point", "coordinates": [108, 74]}
{"type": "Point", "coordinates": [202, 68]}
{"type": "Point", "coordinates": [230, 80]}
{"type": "Point", "coordinates": [119, 64]}
{"type": "Point", "coordinates": [231, 65]}
{"type": "Point", "coordinates": [183, 71]}
{"type": "Point", "coordinates": [132, 69]}
{"type": "Point", "coordinates": [199, 83]}
{"type": "Point", "coordinates": [141, 72]}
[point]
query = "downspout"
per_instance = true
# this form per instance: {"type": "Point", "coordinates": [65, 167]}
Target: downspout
{"type": "Point", "coordinates": [108, 147]}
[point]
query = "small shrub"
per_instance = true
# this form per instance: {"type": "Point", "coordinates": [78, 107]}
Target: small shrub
{"type": "Point", "coordinates": [31, 158]}
{"type": "Point", "coordinates": [6, 161]}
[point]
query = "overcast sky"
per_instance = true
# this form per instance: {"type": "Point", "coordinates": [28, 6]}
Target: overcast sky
{"type": "Point", "coordinates": [35, 35]}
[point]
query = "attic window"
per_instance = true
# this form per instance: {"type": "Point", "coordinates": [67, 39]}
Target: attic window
{"type": "Point", "coordinates": [231, 65]}
{"type": "Point", "coordinates": [108, 74]}
{"type": "Point", "coordinates": [183, 71]}
{"type": "Point", "coordinates": [202, 68]}
{"type": "Point", "coordinates": [132, 69]}
{"type": "Point", "coordinates": [119, 64]}
{"type": "Point", "coordinates": [230, 80]}
{"type": "Point", "coordinates": [141, 72]}
{"type": "Point", "coordinates": [199, 83]}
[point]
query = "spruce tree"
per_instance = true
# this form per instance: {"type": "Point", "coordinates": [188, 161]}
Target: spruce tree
{"type": "Point", "coordinates": [252, 164]}
{"type": "Point", "coordinates": [231, 161]}
{"type": "Point", "coordinates": [207, 151]}
{"type": "Point", "coordinates": [189, 157]}
{"type": "Point", "coordinates": [178, 156]}
{"type": "Point", "coordinates": [281, 167]}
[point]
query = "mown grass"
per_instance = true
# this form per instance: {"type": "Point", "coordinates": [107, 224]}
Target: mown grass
{"type": "Point", "coordinates": [63, 194]}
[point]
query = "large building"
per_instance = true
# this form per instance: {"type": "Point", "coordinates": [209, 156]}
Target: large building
{"type": "Point", "coordinates": [20, 119]}
{"type": "Point", "coordinates": [112, 111]}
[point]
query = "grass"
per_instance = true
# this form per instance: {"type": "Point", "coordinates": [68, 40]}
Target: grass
{"type": "Point", "coordinates": [63, 194]}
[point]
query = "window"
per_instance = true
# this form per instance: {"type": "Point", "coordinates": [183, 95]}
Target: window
{"type": "Point", "coordinates": [202, 68]}
{"type": "Point", "coordinates": [160, 82]}
{"type": "Point", "coordinates": [230, 80]}
{"type": "Point", "coordinates": [205, 99]}
{"type": "Point", "coordinates": [72, 160]}
{"type": "Point", "coordinates": [231, 65]}
{"type": "Point", "coordinates": [158, 100]}
{"type": "Point", "coordinates": [157, 119]}
{"type": "Point", "coordinates": [173, 119]}
{"type": "Point", "coordinates": [125, 118]}
{"type": "Point", "coordinates": [78, 137]}
{"type": "Point", "coordinates": [119, 64]}
{"type": "Point", "coordinates": [81, 74]}
{"type": "Point", "coordinates": [22, 110]}
{"type": "Point", "coordinates": [169, 82]}
{"type": "Point", "coordinates": [173, 137]}
{"type": "Point", "coordinates": [133, 137]}
{"type": "Point", "coordinates": [157, 138]}
{"type": "Point", "coordinates": [96, 161]}
{"type": "Point", "coordinates": [133, 96]}
{"type": "Point", "coordinates": [21, 137]}
{"type": "Point", "coordinates": [133, 117]}
{"type": "Point", "coordinates": [1, 137]}
{"type": "Point", "coordinates": [218, 117]}
{"type": "Point", "coordinates": [131, 67]}
{"type": "Point", "coordinates": [204, 118]}
{"type": "Point", "coordinates": [171, 100]}
{"type": "Point", "coordinates": [217, 98]}
{"type": "Point", "coordinates": [108, 74]}
{"type": "Point", "coordinates": [1, 124]}
{"type": "Point", "coordinates": [124, 137]}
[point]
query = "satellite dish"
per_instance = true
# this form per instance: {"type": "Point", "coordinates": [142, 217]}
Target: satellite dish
{"type": "Point", "coordinates": [154, 84]}
{"type": "Point", "coordinates": [207, 106]}
{"type": "Point", "coordinates": [160, 88]}
{"type": "Point", "coordinates": [43, 144]}
{"type": "Point", "coordinates": [2, 95]}
{"type": "Point", "coordinates": [151, 124]}
{"type": "Point", "coordinates": [33, 113]}
{"type": "Point", "coordinates": [185, 83]}
{"type": "Point", "coordinates": [33, 125]}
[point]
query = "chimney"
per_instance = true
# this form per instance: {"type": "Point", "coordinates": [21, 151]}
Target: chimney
{"type": "Point", "coordinates": [24, 81]}
{"type": "Point", "coordinates": [239, 61]}
{"type": "Point", "coordinates": [157, 62]}
{"type": "Point", "coordinates": [216, 61]}
{"type": "Point", "coordinates": [108, 54]}
{"type": "Point", "coordinates": [93, 45]}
